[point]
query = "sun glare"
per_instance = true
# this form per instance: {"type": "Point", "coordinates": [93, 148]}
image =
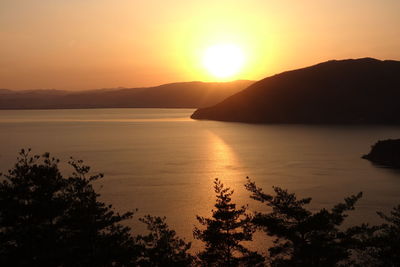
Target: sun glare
{"type": "Point", "coordinates": [223, 60]}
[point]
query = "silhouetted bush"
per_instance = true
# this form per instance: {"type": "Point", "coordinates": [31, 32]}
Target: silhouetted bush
{"type": "Point", "coordinates": [304, 238]}
{"type": "Point", "coordinates": [225, 232]}
{"type": "Point", "coordinates": [47, 219]}
{"type": "Point", "coordinates": [388, 251]}
{"type": "Point", "coordinates": [50, 220]}
{"type": "Point", "coordinates": [161, 247]}
{"type": "Point", "coordinates": [380, 245]}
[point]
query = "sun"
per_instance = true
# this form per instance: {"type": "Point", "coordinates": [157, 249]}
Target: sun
{"type": "Point", "coordinates": [223, 60]}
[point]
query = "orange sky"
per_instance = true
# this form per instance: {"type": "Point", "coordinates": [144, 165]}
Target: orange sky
{"type": "Point", "coordinates": [86, 44]}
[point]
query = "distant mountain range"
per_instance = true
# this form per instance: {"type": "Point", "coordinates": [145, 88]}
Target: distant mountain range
{"type": "Point", "coordinates": [174, 95]}
{"type": "Point", "coordinates": [363, 90]}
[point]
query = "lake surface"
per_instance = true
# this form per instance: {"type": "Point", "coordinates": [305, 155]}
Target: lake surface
{"type": "Point", "coordinates": [163, 163]}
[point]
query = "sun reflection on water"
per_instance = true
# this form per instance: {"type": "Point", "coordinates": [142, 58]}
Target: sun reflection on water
{"type": "Point", "coordinates": [224, 163]}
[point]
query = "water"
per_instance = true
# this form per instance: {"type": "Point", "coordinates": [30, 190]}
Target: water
{"type": "Point", "coordinates": [163, 163]}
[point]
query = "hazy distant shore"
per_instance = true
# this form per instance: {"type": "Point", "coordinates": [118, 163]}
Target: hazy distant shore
{"type": "Point", "coordinates": [174, 95]}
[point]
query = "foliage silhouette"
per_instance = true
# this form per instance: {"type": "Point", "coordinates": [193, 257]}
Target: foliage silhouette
{"type": "Point", "coordinates": [389, 239]}
{"type": "Point", "coordinates": [161, 247]}
{"type": "Point", "coordinates": [380, 245]}
{"type": "Point", "coordinates": [303, 238]}
{"type": "Point", "coordinates": [49, 220]}
{"type": "Point", "coordinates": [225, 233]}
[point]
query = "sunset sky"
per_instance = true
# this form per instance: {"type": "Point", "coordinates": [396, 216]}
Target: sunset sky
{"type": "Point", "coordinates": [87, 44]}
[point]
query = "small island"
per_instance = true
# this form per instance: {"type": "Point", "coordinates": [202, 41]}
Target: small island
{"type": "Point", "coordinates": [386, 152]}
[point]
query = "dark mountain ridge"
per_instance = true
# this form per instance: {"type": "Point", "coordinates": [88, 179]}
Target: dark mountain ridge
{"type": "Point", "coordinates": [174, 95]}
{"type": "Point", "coordinates": [362, 90]}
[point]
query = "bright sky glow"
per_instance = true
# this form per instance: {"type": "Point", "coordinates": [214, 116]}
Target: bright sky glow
{"type": "Point", "coordinates": [75, 44]}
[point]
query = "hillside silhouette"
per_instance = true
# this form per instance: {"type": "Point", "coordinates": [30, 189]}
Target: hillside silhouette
{"type": "Point", "coordinates": [174, 95]}
{"type": "Point", "coordinates": [363, 90]}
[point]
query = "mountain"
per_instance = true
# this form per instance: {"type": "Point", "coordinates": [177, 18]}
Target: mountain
{"type": "Point", "coordinates": [362, 90]}
{"type": "Point", "coordinates": [174, 95]}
